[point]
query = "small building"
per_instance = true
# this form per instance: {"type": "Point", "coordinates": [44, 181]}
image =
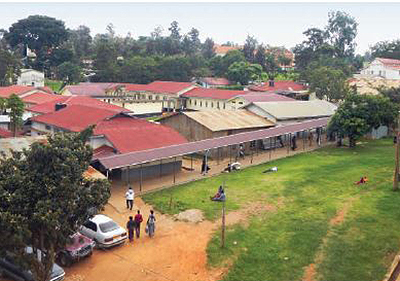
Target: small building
{"type": "Point", "coordinates": [287, 88]}
{"type": "Point", "coordinates": [31, 77]}
{"type": "Point", "coordinates": [243, 100]}
{"type": "Point", "coordinates": [292, 111]}
{"type": "Point", "coordinates": [213, 82]}
{"type": "Point", "coordinates": [200, 125]}
{"type": "Point", "coordinates": [94, 89]}
{"type": "Point", "coordinates": [210, 99]}
{"type": "Point", "coordinates": [222, 50]}
{"type": "Point", "coordinates": [384, 68]}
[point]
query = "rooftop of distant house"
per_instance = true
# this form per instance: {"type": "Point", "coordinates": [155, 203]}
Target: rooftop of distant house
{"type": "Point", "coordinates": [224, 49]}
{"type": "Point", "coordinates": [214, 93]}
{"type": "Point", "coordinates": [216, 81]}
{"type": "Point", "coordinates": [263, 97]}
{"type": "Point", "coordinates": [279, 86]}
{"type": "Point", "coordinates": [19, 90]}
{"type": "Point", "coordinates": [39, 98]}
{"type": "Point", "coordinates": [91, 89]}
{"type": "Point", "coordinates": [391, 63]}
{"type": "Point", "coordinates": [50, 106]}
{"type": "Point", "coordinates": [128, 134]}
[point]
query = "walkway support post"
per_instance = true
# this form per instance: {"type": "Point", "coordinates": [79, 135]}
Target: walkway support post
{"type": "Point", "coordinates": [161, 168]}
{"type": "Point", "coordinates": [174, 169]}
{"type": "Point", "coordinates": [141, 177]}
{"type": "Point", "coordinates": [223, 220]}
{"type": "Point", "coordinates": [270, 148]}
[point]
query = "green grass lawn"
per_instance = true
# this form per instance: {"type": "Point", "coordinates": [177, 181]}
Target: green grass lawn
{"type": "Point", "coordinates": [55, 85]}
{"type": "Point", "coordinates": [312, 188]}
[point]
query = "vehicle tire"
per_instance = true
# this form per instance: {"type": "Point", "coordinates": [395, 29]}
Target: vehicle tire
{"type": "Point", "coordinates": [90, 254]}
{"type": "Point", "coordinates": [65, 260]}
{"type": "Point", "coordinates": [96, 244]}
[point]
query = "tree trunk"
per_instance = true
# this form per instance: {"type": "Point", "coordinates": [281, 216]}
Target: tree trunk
{"type": "Point", "coordinates": [352, 142]}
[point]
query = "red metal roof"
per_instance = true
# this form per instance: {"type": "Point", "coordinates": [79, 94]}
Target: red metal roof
{"type": "Point", "coordinates": [6, 92]}
{"type": "Point", "coordinates": [70, 100]}
{"type": "Point", "coordinates": [103, 151]}
{"type": "Point", "coordinates": [264, 97]}
{"type": "Point", "coordinates": [214, 93]}
{"type": "Point", "coordinates": [128, 134]}
{"type": "Point", "coordinates": [91, 89]}
{"type": "Point", "coordinates": [168, 87]}
{"type": "Point", "coordinates": [279, 86]}
{"type": "Point", "coordinates": [5, 133]}
{"type": "Point", "coordinates": [391, 63]}
{"type": "Point", "coordinates": [135, 87]}
{"type": "Point", "coordinates": [223, 50]}
{"type": "Point", "coordinates": [75, 117]}
{"type": "Point", "coordinates": [141, 157]}
{"type": "Point", "coordinates": [40, 97]}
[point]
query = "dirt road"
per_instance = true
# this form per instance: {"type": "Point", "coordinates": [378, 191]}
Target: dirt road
{"type": "Point", "coordinates": [177, 252]}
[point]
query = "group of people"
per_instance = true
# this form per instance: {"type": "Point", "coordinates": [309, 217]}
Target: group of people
{"type": "Point", "coordinates": [220, 195]}
{"type": "Point", "coordinates": [133, 224]}
{"type": "Point", "coordinates": [362, 180]}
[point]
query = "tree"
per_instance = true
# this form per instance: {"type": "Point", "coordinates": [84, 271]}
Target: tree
{"type": "Point", "coordinates": [270, 65]}
{"type": "Point", "coordinates": [45, 198]}
{"type": "Point", "coordinates": [341, 33]}
{"type": "Point", "coordinates": [328, 83]}
{"type": "Point", "coordinates": [175, 29]}
{"type": "Point", "coordinates": [41, 34]}
{"type": "Point", "coordinates": [260, 56]}
{"type": "Point", "coordinates": [207, 48]}
{"type": "Point", "coordinates": [139, 69]}
{"type": "Point", "coordinates": [105, 62]}
{"type": "Point", "coordinates": [174, 68]}
{"type": "Point", "coordinates": [359, 114]}
{"type": "Point", "coordinates": [249, 48]}
{"type": "Point", "coordinates": [69, 72]}
{"type": "Point", "coordinates": [16, 109]}
{"type": "Point", "coordinates": [386, 49]}
{"type": "Point", "coordinates": [191, 42]}
{"type": "Point", "coordinates": [81, 41]}
{"type": "Point", "coordinates": [219, 65]}
{"type": "Point", "coordinates": [9, 68]}
{"type": "Point", "coordinates": [3, 105]}
{"type": "Point", "coordinates": [243, 72]}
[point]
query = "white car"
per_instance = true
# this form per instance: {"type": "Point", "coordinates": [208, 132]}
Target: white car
{"type": "Point", "coordinates": [104, 231]}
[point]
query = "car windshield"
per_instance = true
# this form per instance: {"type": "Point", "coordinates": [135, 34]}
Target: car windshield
{"type": "Point", "coordinates": [108, 226]}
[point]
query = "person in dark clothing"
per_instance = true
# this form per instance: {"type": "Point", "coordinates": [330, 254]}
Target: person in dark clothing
{"type": "Point", "coordinates": [294, 145]}
{"type": "Point", "coordinates": [130, 225]}
{"type": "Point", "coordinates": [138, 221]}
{"type": "Point", "coordinates": [280, 141]}
{"type": "Point", "coordinates": [204, 166]}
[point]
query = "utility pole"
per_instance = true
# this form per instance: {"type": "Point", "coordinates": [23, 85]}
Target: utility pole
{"type": "Point", "coordinates": [223, 219]}
{"type": "Point", "coordinates": [396, 169]}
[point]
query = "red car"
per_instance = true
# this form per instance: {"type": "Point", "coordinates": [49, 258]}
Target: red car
{"type": "Point", "coordinates": [78, 247]}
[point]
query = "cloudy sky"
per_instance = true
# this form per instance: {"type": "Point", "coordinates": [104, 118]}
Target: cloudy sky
{"type": "Point", "coordinates": [277, 24]}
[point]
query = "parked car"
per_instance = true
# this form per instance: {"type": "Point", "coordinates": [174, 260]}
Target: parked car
{"type": "Point", "coordinates": [10, 268]}
{"type": "Point", "coordinates": [78, 247]}
{"type": "Point", "coordinates": [104, 231]}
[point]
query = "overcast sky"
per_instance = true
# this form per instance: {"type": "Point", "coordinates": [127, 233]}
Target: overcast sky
{"type": "Point", "coordinates": [277, 24]}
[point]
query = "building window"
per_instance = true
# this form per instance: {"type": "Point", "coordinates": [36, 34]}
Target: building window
{"type": "Point", "coordinates": [201, 103]}
{"type": "Point", "coordinates": [206, 104]}
{"type": "Point", "coordinates": [212, 105]}
{"type": "Point", "coordinates": [253, 144]}
{"type": "Point", "coordinates": [157, 97]}
{"type": "Point", "coordinates": [48, 127]}
{"type": "Point", "coordinates": [240, 102]}
{"type": "Point", "coordinates": [150, 97]}
{"type": "Point", "coordinates": [195, 102]}
{"type": "Point", "coordinates": [164, 98]}
{"type": "Point", "coordinates": [224, 105]}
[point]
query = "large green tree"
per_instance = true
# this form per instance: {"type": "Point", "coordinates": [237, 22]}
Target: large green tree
{"type": "Point", "coordinates": [44, 198]}
{"type": "Point", "coordinates": [42, 34]}
{"type": "Point", "coordinates": [386, 49]}
{"type": "Point", "coordinates": [243, 72]}
{"type": "Point", "coordinates": [9, 68]}
{"type": "Point", "coordinates": [15, 108]}
{"type": "Point", "coordinates": [359, 114]}
{"type": "Point", "coordinates": [69, 72]}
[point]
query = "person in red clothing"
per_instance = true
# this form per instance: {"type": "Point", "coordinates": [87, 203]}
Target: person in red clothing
{"type": "Point", "coordinates": [138, 221]}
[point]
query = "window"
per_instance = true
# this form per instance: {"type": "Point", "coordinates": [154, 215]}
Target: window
{"type": "Point", "coordinates": [108, 226]}
{"type": "Point", "coordinates": [150, 97]}
{"type": "Point", "coordinates": [91, 225]}
{"type": "Point", "coordinates": [253, 144]}
{"type": "Point", "coordinates": [206, 104]}
{"type": "Point", "coordinates": [212, 105]}
{"type": "Point", "coordinates": [240, 102]}
{"type": "Point", "coordinates": [201, 103]}
{"type": "Point", "coordinates": [224, 105]}
{"type": "Point", "coordinates": [164, 98]}
{"type": "Point", "coordinates": [195, 102]}
{"type": "Point", "coordinates": [47, 127]}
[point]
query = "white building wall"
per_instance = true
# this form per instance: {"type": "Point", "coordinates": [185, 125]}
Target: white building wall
{"type": "Point", "coordinates": [31, 78]}
{"type": "Point", "coordinates": [377, 69]}
{"type": "Point", "coordinates": [98, 141]}
{"type": "Point", "coordinates": [206, 104]}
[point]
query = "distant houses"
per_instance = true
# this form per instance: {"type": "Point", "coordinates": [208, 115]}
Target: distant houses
{"type": "Point", "coordinates": [383, 68]}
{"type": "Point", "coordinates": [31, 77]}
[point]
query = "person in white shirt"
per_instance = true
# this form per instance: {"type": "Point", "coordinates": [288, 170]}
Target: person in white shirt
{"type": "Point", "coordinates": [129, 195]}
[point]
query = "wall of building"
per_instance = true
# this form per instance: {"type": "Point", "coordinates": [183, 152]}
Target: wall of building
{"type": "Point", "coordinates": [205, 104]}
{"type": "Point", "coordinates": [236, 103]}
{"type": "Point", "coordinates": [31, 78]}
{"type": "Point", "coordinates": [98, 141]}
{"type": "Point", "coordinates": [150, 170]}
{"type": "Point", "coordinates": [377, 69]}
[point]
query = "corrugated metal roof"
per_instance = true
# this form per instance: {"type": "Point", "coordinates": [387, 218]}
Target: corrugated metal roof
{"type": "Point", "coordinates": [141, 157]}
{"type": "Point", "coordinates": [221, 120]}
{"type": "Point", "coordinates": [297, 109]}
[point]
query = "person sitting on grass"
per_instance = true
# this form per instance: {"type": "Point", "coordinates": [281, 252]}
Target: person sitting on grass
{"type": "Point", "coordinates": [273, 169]}
{"type": "Point", "coordinates": [220, 196]}
{"type": "Point", "coordinates": [362, 180]}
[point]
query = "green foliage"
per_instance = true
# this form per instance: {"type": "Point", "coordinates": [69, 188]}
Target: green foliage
{"type": "Point", "coordinates": [55, 85]}
{"type": "Point", "coordinates": [41, 34]}
{"type": "Point", "coordinates": [139, 70]}
{"type": "Point", "coordinates": [309, 190]}
{"type": "Point", "coordinates": [328, 83]}
{"type": "Point", "coordinates": [386, 49]}
{"type": "Point", "coordinates": [249, 48]}
{"type": "Point", "coordinates": [243, 72]}
{"type": "Point", "coordinates": [359, 114]}
{"type": "Point", "coordinates": [69, 72]}
{"type": "Point", "coordinates": [16, 108]}
{"type": "Point", "coordinates": [9, 68]}
{"type": "Point", "coordinates": [45, 198]}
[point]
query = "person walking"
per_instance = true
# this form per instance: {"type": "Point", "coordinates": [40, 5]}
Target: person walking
{"type": "Point", "coordinates": [130, 225]}
{"type": "Point", "coordinates": [138, 221]}
{"type": "Point", "coordinates": [129, 195]}
{"type": "Point", "coordinates": [151, 224]}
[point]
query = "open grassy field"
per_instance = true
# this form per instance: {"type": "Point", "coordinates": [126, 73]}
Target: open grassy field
{"type": "Point", "coordinates": [350, 232]}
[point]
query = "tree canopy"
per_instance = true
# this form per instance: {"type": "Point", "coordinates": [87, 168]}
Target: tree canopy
{"type": "Point", "coordinates": [44, 198]}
